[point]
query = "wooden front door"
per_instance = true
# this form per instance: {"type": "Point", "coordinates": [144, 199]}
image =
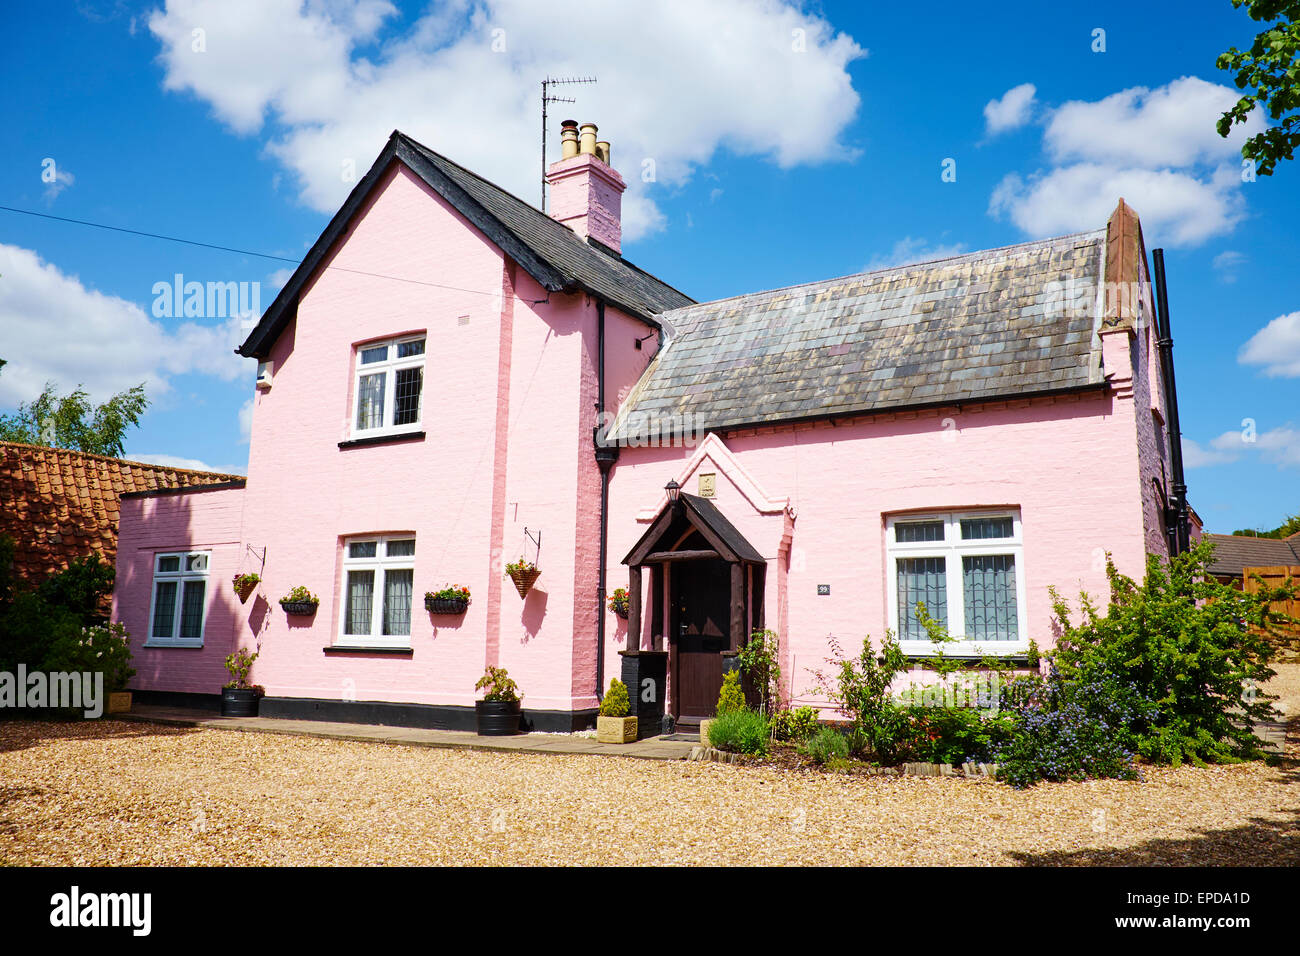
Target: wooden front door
{"type": "Point", "coordinates": [700, 604]}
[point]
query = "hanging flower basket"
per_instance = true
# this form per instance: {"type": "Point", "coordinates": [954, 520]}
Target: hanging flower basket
{"type": "Point", "coordinates": [300, 602]}
{"type": "Point", "coordinates": [618, 602]}
{"type": "Point", "coordinates": [524, 574]}
{"type": "Point", "coordinates": [245, 585]}
{"type": "Point", "coordinates": [452, 599]}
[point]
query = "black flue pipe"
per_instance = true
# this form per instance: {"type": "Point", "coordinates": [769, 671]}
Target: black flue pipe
{"type": "Point", "coordinates": [1179, 527]}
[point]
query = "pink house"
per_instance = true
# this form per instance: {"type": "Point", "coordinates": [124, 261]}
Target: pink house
{"type": "Point", "coordinates": [453, 379]}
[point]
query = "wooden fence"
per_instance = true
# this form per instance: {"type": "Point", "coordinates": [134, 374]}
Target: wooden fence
{"type": "Point", "coordinates": [1274, 577]}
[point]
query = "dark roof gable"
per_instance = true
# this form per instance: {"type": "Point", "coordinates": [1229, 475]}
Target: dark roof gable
{"type": "Point", "coordinates": [547, 250]}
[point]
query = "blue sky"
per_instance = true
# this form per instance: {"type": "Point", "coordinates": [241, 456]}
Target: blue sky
{"type": "Point", "coordinates": [788, 144]}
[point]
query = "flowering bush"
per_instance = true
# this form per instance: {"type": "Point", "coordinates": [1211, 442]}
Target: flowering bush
{"type": "Point", "coordinates": [1193, 649]}
{"type": "Point", "coordinates": [99, 648]}
{"type": "Point", "coordinates": [452, 592]}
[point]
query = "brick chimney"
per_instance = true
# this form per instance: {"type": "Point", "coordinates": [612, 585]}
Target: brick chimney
{"type": "Point", "coordinates": [586, 191]}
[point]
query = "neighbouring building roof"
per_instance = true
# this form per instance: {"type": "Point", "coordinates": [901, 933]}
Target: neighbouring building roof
{"type": "Point", "coordinates": [547, 250]}
{"type": "Point", "coordinates": [60, 504]}
{"type": "Point", "coordinates": [1235, 552]}
{"type": "Point", "coordinates": [969, 328]}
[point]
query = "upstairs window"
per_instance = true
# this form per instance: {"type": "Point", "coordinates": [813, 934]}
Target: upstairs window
{"type": "Point", "coordinates": [378, 591]}
{"type": "Point", "coordinates": [967, 569]}
{"type": "Point", "coordinates": [180, 584]}
{"type": "Point", "coordinates": [389, 386]}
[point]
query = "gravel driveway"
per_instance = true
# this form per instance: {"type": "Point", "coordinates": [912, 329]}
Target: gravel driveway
{"type": "Point", "coordinates": [124, 793]}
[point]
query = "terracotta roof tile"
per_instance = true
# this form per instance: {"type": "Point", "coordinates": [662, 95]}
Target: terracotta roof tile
{"type": "Point", "coordinates": [60, 505]}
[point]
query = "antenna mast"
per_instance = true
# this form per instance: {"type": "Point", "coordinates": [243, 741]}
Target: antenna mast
{"type": "Point", "coordinates": [547, 98]}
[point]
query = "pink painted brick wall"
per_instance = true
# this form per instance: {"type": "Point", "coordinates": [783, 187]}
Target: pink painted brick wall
{"type": "Point", "coordinates": [178, 522]}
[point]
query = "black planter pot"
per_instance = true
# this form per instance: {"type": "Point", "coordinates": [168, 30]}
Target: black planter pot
{"type": "Point", "coordinates": [239, 702]}
{"type": "Point", "coordinates": [497, 718]}
{"type": "Point", "coordinates": [621, 611]}
{"type": "Point", "coordinates": [445, 605]}
{"type": "Point", "coordinates": [299, 608]}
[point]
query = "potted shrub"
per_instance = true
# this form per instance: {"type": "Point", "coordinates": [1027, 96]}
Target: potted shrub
{"type": "Point", "coordinates": [453, 599]}
{"type": "Point", "coordinates": [300, 601]}
{"type": "Point", "coordinates": [238, 697]}
{"type": "Point", "coordinates": [618, 602]}
{"type": "Point", "coordinates": [246, 584]}
{"type": "Point", "coordinates": [523, 573]}
{"type": "Point", "coordinates": [497, 714]}
{"type": "Point", "coordinates": [614, 726]}
{"type": "Point", "coordinates": [102, 648]}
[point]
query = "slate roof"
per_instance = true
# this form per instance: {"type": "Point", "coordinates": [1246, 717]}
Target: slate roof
{"type": "Point", "coordinates": [972, 327]}
{"type": "Point", "coordinates": [59, 504]}
{"type": "Point", "coordinates": [1235, 552]}
{"type": "Point", "coordinates": [547, 250]}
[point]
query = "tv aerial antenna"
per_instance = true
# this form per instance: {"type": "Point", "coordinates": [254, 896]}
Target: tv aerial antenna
{"type": "Point", "coordinates": [547, 98]}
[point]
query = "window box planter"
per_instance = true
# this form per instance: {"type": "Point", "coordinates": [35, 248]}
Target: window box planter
{"type": "Point", "coordinates": [616, 730]}
{"type": "Point", "coordinates": [239, 701]}
{"type": "Point", "coordinates": [524, 578]}
{"type": "Point", "coordinates": [497, 718]}
{"type": "Point", "coordinates": [445, 605]}
{"type": "Point", "coordinates": [299, 608]}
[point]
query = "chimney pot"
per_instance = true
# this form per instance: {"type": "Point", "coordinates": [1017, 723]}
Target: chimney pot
{"type": "Point", "coordinates": [602, 152]}
{"type": "Point", "coordinates": [568, 139]}
{"type": "Point", "coordinates": [587, 139]}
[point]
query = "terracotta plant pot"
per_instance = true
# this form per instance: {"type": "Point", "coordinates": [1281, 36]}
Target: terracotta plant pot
{"type": "Point", "coordinates": [524, 580]}
{"type": "Point", "coordinates": [299, 608]}
{"type": "Point", "coordinates": [616, 730]}
{"type": "Point", "coordinates": [244, 590]}
{"type": "Point", "coordinates": [445, 605]}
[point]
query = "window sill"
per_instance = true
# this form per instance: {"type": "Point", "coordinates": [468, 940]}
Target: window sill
{"type": "Point", "coordinates": [150, 645]}
{"type": "Point", "coordinates": [388, 439]}
{"type": "Point", "coordinates": [367, 649]}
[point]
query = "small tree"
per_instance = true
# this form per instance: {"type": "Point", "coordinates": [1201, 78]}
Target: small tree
{"type": "Point", "coordinates": [758, 659]}
{"type": "Point", "coordinates": [71, 421]}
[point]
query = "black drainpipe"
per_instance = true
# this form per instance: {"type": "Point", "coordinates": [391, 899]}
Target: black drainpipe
{"type": "Point", "coordinates": [606, 455]}
{"type": "Point", "coordinates": [1178, 519]}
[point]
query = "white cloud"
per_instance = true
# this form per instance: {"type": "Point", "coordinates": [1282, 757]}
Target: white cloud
{"type": "Point", "coordinates": [678, 80]}
{"type": "Point", "coordinates": [1178, 207]}
{"type": "Point", "coordinates": [194, 464]}
{"type": "Point", "coordinates": [54, 328]}
{"type": "Point", "coordinates": [1276, 347]}
{"type": "Point", "coordinates": [1011, 111]}
{"type": "Point", "coordinates": [1158, 149]}
{"type": "Point", "coordinates": [1279, 446]}
{"type": "Point", "coordinates": [1226, 264]}
{"type": "Point", "coordinates": [63, 179]}
{"type": "Point", "coordinates": [246, 422]}
{"type": "Point", "coordinates": [911, 249]}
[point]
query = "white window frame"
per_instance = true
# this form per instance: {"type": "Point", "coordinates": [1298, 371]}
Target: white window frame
{"type": "Point", "coordinates": [952, 549]}
{"type": "Point", "coordinates": [389, 367]}
{"type": "Point", "coordinates": [180, 577]}
{"type": "Point", "coordinates": [381, 564]}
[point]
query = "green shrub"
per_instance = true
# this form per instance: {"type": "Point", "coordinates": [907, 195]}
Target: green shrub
{"type": "Point", "coordinates": [615, 703]}
{"type": "Point", "coordinates": [825, 745]}
{"type": "Point", "coordinates": [81, 588]}
{"type": "Point", "coordinates": [731, 697]}
{"type": "Point", "coordinates": [498, 685]}
{"type": "Point", "coordinates": [741, 730]}
{"type": "Point", "coordinates": [794, 724]}
{"type": "Point", "coordinates": [239, 664]}
{"type": "Point", "coordinates": [1194, 649]}
{"type": "Point", "coordinates": [859, 687]}
{"type": "Point", "coordinates": [958, 735]}
{"type": "Point", "coordinates": [759, 659]}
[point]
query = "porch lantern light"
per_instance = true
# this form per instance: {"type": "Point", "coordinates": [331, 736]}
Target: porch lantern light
{"type": "Point", "coordinates": [674, 490]}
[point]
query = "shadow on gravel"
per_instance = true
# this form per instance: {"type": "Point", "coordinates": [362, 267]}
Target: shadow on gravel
{"type": "Point", "coordinates": [1257, 843]}
{"type": "Point", "coordinates": [21, 734]}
